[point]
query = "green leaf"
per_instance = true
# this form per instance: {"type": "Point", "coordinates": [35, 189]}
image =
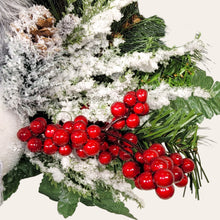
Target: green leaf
{"type": "Point", "coordinates": [107, 202]}
{"type": "Point", "coordinates": [23, 170]}
{"type": "Point", "coordinates": [68, 202]}
{"type": "Point", "coordinates": [52, 190]}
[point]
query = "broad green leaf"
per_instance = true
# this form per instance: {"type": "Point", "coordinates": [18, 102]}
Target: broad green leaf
{"type": "Point", "coordinates": [68, 202]}
{"type": "Point", "coordinates": [52, 190]}
{"type": "Point", "coordinates": [23, 170]}
{"type": "Point", "coordinates": [107, 202]}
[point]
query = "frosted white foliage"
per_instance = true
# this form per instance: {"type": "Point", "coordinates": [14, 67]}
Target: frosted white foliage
{"type": "Point", "coordinates": [10, 147]}
{"type": "Point", "coordinates": [57, 175]}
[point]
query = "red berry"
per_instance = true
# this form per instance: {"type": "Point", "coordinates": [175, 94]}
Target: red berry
{"type": "Point", "coordinates": [169, 161]}
{"type": "Point", "coordinates": [50, 130]}
{"type": "Point", "coordinates": [159, 148]}
{"type": "Point", "coordinates": [163, 178]}
{"type": "Point", "coordinates": [141, 95]}
{"type": "Point", "coordinates": [119, 124]}
{"type": "Point", "coordinates": [125, 154]}
{"type": "Point", "coordinates": [131, 93]}
{"type": "Point", "coordinates": [91, 148]}
{"type": "Point", "coordinates": [183, 182]}
{"type": "Point", "coordinates": [114, 138]}
{"type": "Point", "coordinates": [80, 153]}
{"type": "Point", "coordinates": [24, 134]}
{"type": "Point", "coordinates": [178, 173]}
{"type": "Point", "coordinates": [79, 125]}
{"type": "Point", "coordinates": [139, 157]}
{"type": "Point", "coordinates": [165, 192]}
{"type": "Point", "coordinates": [65, 150]}
{"type": "Point", "coordinates": [145, 181]}
{"type": "Point", "coordinates": [149, 155]}
{"type": "Point", "coordinates": [37, 126]}
{"type": "Point", "coordinates": [129, 100]}
{"type": "Point", "coordinates": [104, 146]}
{"type": "Point", "coordinates": [147, 167]}
{"type": "Point", "coordinates": [136, 183]}
{"type": "Point", "coordinates": [177, 159]}
{"type": "Point", "coordinates": [139, 108]}
{"type": "Point", "coordinates": [69, 126]}
{"type": "Point", "coordinates": [49, 147]}
{"type": "Point", "coordinates": [188, 165]}
{"type": "Point", "coordinates": [132, 121]}
{"type": "Point", "coordinates": [43, 121]}
{"type": "Point", "coordinates": [61, 137]}
{"type": "Point", "coordinates": [81, 118]}
{"type": "Point", "coordinates": [130, 137]}
{"type": "Point", "coordinates": [118, 109]}
{"type": "Point", "coordinates": [34, 144]}
{"type": "Point", "coordinates": [158, 163]}
{"type": "Point", "coordinates": [130, 169]}
{"type": "Point", "coordinates": [146, 109]}
{"type": "Point", "coordinates": [94, 131]}
{"type": "Point", "coordinates": [78, 138]}
{"type": "Point", "coordinates": [114, 149]}
{"type": "Point", "coordinates": [105, 157]}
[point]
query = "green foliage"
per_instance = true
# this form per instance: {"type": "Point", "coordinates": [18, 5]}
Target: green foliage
{"type": "Point", "coordinates": [68, 199]}
{"type": "Point", "coordinates": [11, 180]}
{"type": "Point", "coordinates": [207, 107]}
{"type": "Point", "coordinates": [56, 7]}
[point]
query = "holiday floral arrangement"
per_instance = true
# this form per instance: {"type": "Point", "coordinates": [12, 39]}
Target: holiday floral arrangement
{"type": "Point", "coordinates": [101, 105]}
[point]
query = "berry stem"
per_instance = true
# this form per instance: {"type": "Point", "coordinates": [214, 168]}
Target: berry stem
{"type": "Point", "coordinates": [113, 122]}
{"type": "Point", "coordinates": [124, 140]}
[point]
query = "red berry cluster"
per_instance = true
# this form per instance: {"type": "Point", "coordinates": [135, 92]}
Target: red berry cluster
{"type": "Point", "coordinates": [133, 105]}
{"type": "Point", "coordinates": [153, 169]}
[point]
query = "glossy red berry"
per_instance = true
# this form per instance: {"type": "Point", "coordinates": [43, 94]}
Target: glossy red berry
{"type": "Point", "coordinates": [169, 161]}
{"type": "Point", "coordinates": [105, 157]}
{"type": "Point", "coordinates": [114, 136]}
{"type": "Point", "coordinates": [145, 181]}
{"type": "Point", "coordinates": [147, 167]}
{"type": "Point", "coordinates": [178, 174]}
{"type": "Point", "coordinates": [177, 159]}
{"type": "Point", "coordinates": [24, 134]}
{"type": "Point", "coordinates": [81, 154]}
{"type": "Point", "coordinates": [118, 109]}
{"type": "Point", "coordinates": [114, 149]}
{"type": "Point", "coordinates": [146, 109]}
{"type": "Point", "coordinates": [183, 182]}
{"type": "Point", "coordinates": [50, 130]}
{"type": "Point", "coordinates": [119, 124]}
{"type": "Point", "coordinates": [139, 108]}
{"type": "Point", "coordinates": [141, 95]}
{"type": "Point", "coordinates": [163, 178]}
{"type": "Point", "coordinates": [69, 126]}
{"type": "Point", "coordinates": [104, 146]}
{"type": "Point", "coordinates": [81, 118]}
{"type": "Point", "coordinates": [132, 121]}
{"type": "Point", "coordinates": [131, 93]}
{"type": "Point", "coordinates": [149, 155]}
{"type": "Point", "coordinates": [187, 165]}
{"type": "Point", "coordinates": [136, 183]}
{"type": "Point", "coordinates": [139, 157]}
{"type": "Point", "coordinates": [129, 100]}
{"type": "Point", "coordinates": [42, 120]}
{"type": "Point", "coordinates": [65, 150]}
{"type": "Point", "coordinates": [94, 131]}
{"type": "Point", "coordinates": [79, 125]}
{"type": "Point", "coordinates": [61, 137]}
{"type": "Point", "coordinates": [34, 144]}
{"type": "Point", "coordinates": [130, 169]}
{"type": "Point", "coordinates": [159, 148]}
{"type": "Point", "coordinates": [130, 137]}
{"type": "Point", "coordinates": [165, 192]}
{"type": "Point", "coordinates": [78, 138]}
{"type": "Point", "coordinates": [91, 148]}
{"type": "Point", "coordinates": [158, 163]}
{"type": "Point", "coordinates": [125, 154]}
{"type": "Point", "coordinates": [49, 147]}
{"type": "Point", "coordinates": [37, 126]}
